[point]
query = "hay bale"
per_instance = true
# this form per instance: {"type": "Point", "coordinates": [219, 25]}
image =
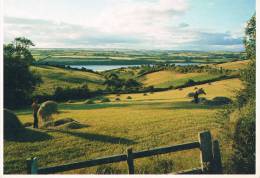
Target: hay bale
{"type": "Point", "coordinates": [47, 109]}
{"type": "Point", "coordinates": [63, 121]}
{"type": "Point", "coordinates": [72, 125]}
{"type": "Point", "coordinates": [128, 97]}
{"type": "Point", "coordinates": [12, 125]}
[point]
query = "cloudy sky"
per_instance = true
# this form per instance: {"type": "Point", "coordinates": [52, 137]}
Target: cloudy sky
{"type": "Point", "coordinates": [129, 24]}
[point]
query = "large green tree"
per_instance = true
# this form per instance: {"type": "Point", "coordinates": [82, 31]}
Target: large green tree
{"type": "Point", "coordinates": [243, 159]}
{"type": "Point", "coordinates": [19, 81]}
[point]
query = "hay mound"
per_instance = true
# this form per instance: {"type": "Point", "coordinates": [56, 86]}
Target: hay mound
{"type": "Point", "coordinates": [66, 123]}
{"type": "Point", "coordinates": [47, 109]}
{"type": "Point", "coordinates": [12, 125]}
{"type": "Point", "coordinates": [72, 125]}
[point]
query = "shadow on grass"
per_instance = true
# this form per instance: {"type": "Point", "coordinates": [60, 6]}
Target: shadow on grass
{"type": "Point", "coordinates": [177, 105]}
{"type": "Point", "coordinates": [28, 135]}
{"type": "Point", "coordinates": [96, 137]}
{"type": "Point", "coordinates": [89, 106]}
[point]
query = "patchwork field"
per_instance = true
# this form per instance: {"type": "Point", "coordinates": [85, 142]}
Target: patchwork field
{"type": "Point", "coordinates": [143, 122]}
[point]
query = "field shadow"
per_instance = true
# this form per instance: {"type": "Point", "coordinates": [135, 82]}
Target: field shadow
{"type": "Point", "coordinates": [28, 135]}
{"type": "Point", "coordinates": [96, 137]}
{"type": "Point", "coordinates": [89, 106]}
{"type": "Point", "coordinates": [178, 105]}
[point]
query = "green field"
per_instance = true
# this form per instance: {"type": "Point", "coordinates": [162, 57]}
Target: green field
{"type": "Point", "coordinates": [53, 77]}
{"type": "Point", "coordinates": [144, 122]}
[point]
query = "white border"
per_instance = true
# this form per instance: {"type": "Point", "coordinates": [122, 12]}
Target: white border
{"type": "Point", "coordinates": [161, 176]}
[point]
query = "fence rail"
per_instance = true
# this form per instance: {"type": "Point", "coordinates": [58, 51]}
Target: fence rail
{"type": "Point", "coordinates": [209, 155]}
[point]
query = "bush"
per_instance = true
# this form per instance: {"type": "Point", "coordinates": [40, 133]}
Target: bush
{"type": "Point", "coordinates": [243, 158]}
{"type": "Point", "coordinates": [190, 82]}
{"type": "Point", "coordinates": [145, 94]}
{"type": "Point", "coordinates": [47, 109]}
{"type": "Point", "coordinates": [117, 99]}
{"type": "Point", "coordinates": [89, 102]}
{"type": "Point", "coordinates": [104, 100]}
{"type": "Point", "coordinates": [191, 94]}
{"type": "Point", "coordinates": [220, 100]}
{"type": "Point", "coordinates": [12, 125]}
{"type": "Point", "coordinates": [129, 97]}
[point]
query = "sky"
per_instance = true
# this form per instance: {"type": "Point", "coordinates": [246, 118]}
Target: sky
{"type": "Point", "coordinates": [130, 24]}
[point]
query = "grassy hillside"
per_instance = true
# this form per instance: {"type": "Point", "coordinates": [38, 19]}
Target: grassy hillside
{"type": "Point", "coordinates": [237, 65]}
{"type": "Point", "coordinates": [163, 79]}
{"type": "Point", "coordinates": [53, 77]}
{"type": "Point", "coordinates": [143, 122]}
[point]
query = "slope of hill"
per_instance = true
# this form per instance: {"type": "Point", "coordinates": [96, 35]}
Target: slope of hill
{"type": "Point", "coordinates": [164, 79]}
{"type": "Point", "coordinates": [237, 65]}
{"type": "Point", "coordinates": [143, 122]}
{"type": "Point", "coordinates": [57, 77]}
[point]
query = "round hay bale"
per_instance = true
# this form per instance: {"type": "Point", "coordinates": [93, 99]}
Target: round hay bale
{"type": "Point", "coordinates": [47, 109]}
{"type": "Point", "coordinates": [117, 99]}
{"type": "Point", "coordinates": [128, 97]}
{"type": "Point", "coordinates": [12, 125]}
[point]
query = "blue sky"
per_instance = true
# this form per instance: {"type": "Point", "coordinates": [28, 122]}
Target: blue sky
{"type": "Point", "coordinates": [129, 24]}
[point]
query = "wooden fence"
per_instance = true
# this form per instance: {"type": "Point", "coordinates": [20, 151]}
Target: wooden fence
{"type": "Point", "coordinates": [210, 158]}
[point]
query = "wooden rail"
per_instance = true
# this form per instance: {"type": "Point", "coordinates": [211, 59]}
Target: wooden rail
{"type": "Point", "coordinates": [209, 155]}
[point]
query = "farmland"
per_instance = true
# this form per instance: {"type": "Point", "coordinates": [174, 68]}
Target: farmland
{"type": "Point", "coordinates": [141, 120]}
{"type": "Point", "coordinates": [158, 119]}
{"type": "Point", "coordinates": [129, 57]}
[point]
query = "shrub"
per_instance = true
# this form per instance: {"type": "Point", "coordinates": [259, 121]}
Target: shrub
{"type": "Point", "coordinates": [12, 125]}
{"type": "Point", "coordinates": [129, 97]}
{"type": "Point", "coordinates": [47, 109]}
{"type": "Point", "coordinates": [104, 100]}
{"type": "Point", "coordinates": [190, 95]}
{"type": "Point", "coordinates": [117, 99]}
{"type": "Point", "coordinates": [190, 82]}
{"type": "Point", "coordinates": [145, 94]}
{"type": "Point", "coordinates": [89, 102]}
{"type": "Point", "coordinates": [243, 158]}
{"type": "Point", "coordinates": [220, 100]}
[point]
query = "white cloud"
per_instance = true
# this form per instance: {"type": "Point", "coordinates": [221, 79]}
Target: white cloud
{"type": "Point", "coordinates": [153, 24]}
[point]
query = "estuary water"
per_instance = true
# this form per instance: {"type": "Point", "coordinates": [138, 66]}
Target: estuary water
{"type": "Point", "coordinates": [101, 68]}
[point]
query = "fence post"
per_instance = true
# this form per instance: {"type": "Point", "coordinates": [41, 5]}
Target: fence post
{"type": "Point", "coordinates": [217, 158]}
{"type": "Point", "coordinates": [130, 161]}
{"type": "Point", "coordinates": [205, 151]}
{"type": "Point", "coordinates": [32, 167]}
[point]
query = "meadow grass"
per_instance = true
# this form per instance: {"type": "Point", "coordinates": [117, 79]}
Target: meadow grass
{"type": "Point", "coordinates": [53, 77]}
{"type": "Point", "coordinates": [144, 122]}
{"type": "Point", "coordinates": [164, 79]}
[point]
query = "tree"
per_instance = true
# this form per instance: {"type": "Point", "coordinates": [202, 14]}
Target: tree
{"type": "Point", "coordinates": [243, 158]}
{"type": "Point", "coordinates": [19, 81]}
